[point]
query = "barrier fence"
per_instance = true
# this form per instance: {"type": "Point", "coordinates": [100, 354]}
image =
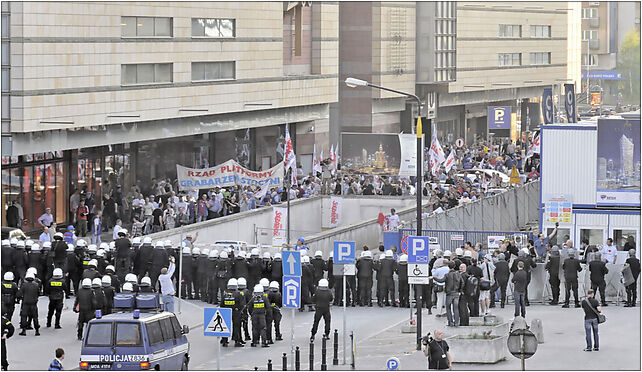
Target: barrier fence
{"type": "Point", "coordinates": [453, 239]}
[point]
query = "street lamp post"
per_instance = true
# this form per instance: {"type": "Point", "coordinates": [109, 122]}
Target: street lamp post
{"type": "Point", "coordinates": [353, 83]}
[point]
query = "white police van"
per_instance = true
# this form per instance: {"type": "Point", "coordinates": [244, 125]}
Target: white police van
{"type": "Point", "coordinates": [144, 338]}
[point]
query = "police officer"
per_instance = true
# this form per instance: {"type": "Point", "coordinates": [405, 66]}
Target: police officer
{"type": "Point", "coordinates": [144, 258]}
{"type": "Point", "coordinates": [276, 268]}
{"type": "Point", "coordinates": [99, 296]}
{"type": "Point", "coordinates": [9, 294]}
{"type": "Point", "coordinates": [388, 286]}
{"type": "Point", "coordinates": [322, 299]}
{"type": "Point", "coordinates": [240, 266]}
{"type": "Point", "coordinates": [196, 279]}
{"type": "Point", "coordinates": [402, 274]}
{"type": "Point", "coordinates": [56, 296]}
{"type": "Point", "coordinates": [133, 255]}
{"type": "Point", "coordinates": [571, 267]}
{"type": "Point", "coordinates": [224, 273]}
{"type": "Point", "coordinates": [114, 280]}
{"type": "Point", "coordinates": [631, 289]}
{"type": "Point", "coordinates": [35, 259]}
{"type": "Point", "coordinates": [122, 257]}
{"type": "Point", "coordinates": [7, 332]}
{"type": "Point", "coordinates": [598, 270]}
{"type": "Point", "coordinates": [146, 285]}
{"type": "Point", "coordinates": [276, 300]}
{"type": "Point", "coordinates": [247, 294]}
{"type": "Point", "coordinates": [75, 267]}
{"type": "Point", "coordinates": [307, 282]}
{"type": "Point", "coordinates": [101, 261]}
{"type": "Point", "coordinates": [553, 268]}
{"type": "Point", "coordinates": [160, 259]}
{"type": "Point", "coordinates": [202, 265]}
{"type": "Point", "coordinates": [187, 263]}
{"type": "Point", "coordinates": [109, 292]}
{"type": "Point", "coordinates": [319, 265]}
{"type": "Point", "coordinates": [212, 280]}
{"type": "Point", "coordinates": [473, 301]}
{"type": "Point", "coordinates": [91, 272]}
{"type": "Point", "coordinates": [28, 293]}
{"type": "Point", "coordinates": [20, 261]}
{"type": "Point", "coordinates": [7, 257]}
{"type": "Point", "coordinates": [365, 268]}
{"type": "Point", "coordinates": [338, 281]}
{"type": "Point", "coordinates": [524, 256]}
{"type": "Point", "coordinates": [269, 316]}
{"type": "Point", "coordinates": [255, 268]}
{"type": "Point", "coordinates": [84, 305]}
{"type": "Point", "coordinates": [133, 280]}
{"type": "Point", "coordinates": [267, 261]}
{"type": "Point", "coordinates": [258, 310]}
{"type": "Point", "coordinates": [59, 250]}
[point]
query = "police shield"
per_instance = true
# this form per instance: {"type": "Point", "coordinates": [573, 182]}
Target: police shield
{"type": "Point", "coordinates": [627, 276]}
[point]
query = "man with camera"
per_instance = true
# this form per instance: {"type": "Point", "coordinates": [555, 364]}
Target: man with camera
{"type": "Point", "coordinates": [436, 349]}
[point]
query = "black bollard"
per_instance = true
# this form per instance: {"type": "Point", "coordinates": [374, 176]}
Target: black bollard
{"type": "Point", "coordinates": [297, 359]}
{"type": "Point", "coordinates": [256, 368]}
{"type": "Point", "coordinates": [269, 364]}
{"type": "Point", "coordinates": [352, 364]}
{"type": "Point", "coordinates": [335, 357]}
{"type": "Point", "coordinates": [324, 366]}
{"type": "Point", "coordinates": [285, 362]}
{"type": "Point", "coordinates": [311, 356]}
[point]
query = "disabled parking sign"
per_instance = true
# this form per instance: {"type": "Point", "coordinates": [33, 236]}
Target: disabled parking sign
{"type": "Point", "coordinates": [217, 322]}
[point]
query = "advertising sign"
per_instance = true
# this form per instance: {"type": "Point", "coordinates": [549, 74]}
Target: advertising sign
{"type": "Point", "coordinates": [279, 219]}
{"type": "Point", "coordinates": [618, 162]}
{"type": "Point", "coordinates": [335, 211]}
{"type": "Point", "coordinates": [547, 105]}
{"type": "Point", "coordinates": [559, 208]}
{"type": "Point", "coordinates": [494, 240]}
{"type": "Point", "coordinates": [569, 102]}
{"type": "Point", "coordinates": [408, 148]}
{"type": "Point", "coordinates": [499, 117]}
{"type": "Point", "coordinates": [374, 154]}
{"type": "Point", "coordinates": [229, 173]}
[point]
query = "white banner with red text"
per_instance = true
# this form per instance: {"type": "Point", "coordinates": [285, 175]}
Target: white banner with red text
{"type": "Point", "coordinates": [229, 173]}
{"type": "Point", "coordinates": [279, 226]}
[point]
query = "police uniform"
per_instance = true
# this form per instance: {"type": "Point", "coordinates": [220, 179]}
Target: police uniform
{"type": "Point", "coordinates": [257, 308]}
{"type": "Point", "coordinates": [553, 268]}
{"type": "Point", "coordinates": [307, 285]}
{"type": "Point", "coordinates": [56, 300]}
{"type": "Point", "coordinates": [234, 300]}
{"type": "Point", "coordinates": [571, 267]}
{"type": "Point", "coordinates": [245, 330]}
{"type": "Point", "coordinates": [187, 263]}
{"type": "Point", "coordinates": [364, 275]}
{"type": "Point", "coordinates": [7, 259]}
{"type": "Point", "coordinates": [109, 292]}
{"type": "Point", "coordinates": [269, 316]}
{"type": "Point", "coordinates": [322, 299]}
{"type": "Point", "coordinates": [276, 300]}
{"type": "Point", "coordinates": [84, 306]}
{"type": "Point", "coordinates": [388, 285]}
{"type": "Point", "coordinates": [212, 280]}
{"type": "Point", "coordinates": [202, 265]}
{"type": "Point", "coordinates": [122, 258]}
{"type": "Point", "coordinates": [9, 296]}
{"type": "Point", "coordinates": [7, 332]}
{"type": "Point", "coordinates": [28, 293]}
{"type": "Point", "coordinates": [224, 273]}
{"type": "Point", "coordinates": [404, 289]}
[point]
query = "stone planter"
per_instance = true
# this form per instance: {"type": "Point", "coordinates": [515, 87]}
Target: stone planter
{"type": "Point", "coordinates": [468, 350]}
{"type": "Point", "coordinates": [496, 330]}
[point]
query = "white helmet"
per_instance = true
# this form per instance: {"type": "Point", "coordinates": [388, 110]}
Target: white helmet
{"type": "Point", "coordinates": [223, 254]}
{"type": "Point", "coordinates": [81, 243]}
{"type": "Point", "coordinates": [93, 248]}
{"type": "Point", "coordinates": [58, 235]}
{"type": "Point", "coordinates": [159, 244]}
{"type": "Point", "coordinates": [167, 243]}
{"type": "Point", "coordinates": [403, 258]}
{"type": "Point", "coordinates": [363, 254]}
{"type": "Point", "coordinates": [305, 259]}
{"type": "Point", "coordinates": [389, 253]}
{"type": "Point", "coordinates": [468, 254]}
{"type": "Point", "coordinates": [205, 252]}
{"type": "Point", "coordinates": [32, 270]}
{"type": "Point", "coordinates": [131, 278]}
{"type": "Point", "coordinates": [93, 263]}
{"type": "Point", "coordinates": [21, 244]}
{"type": "Point", "coordinates": [274, 285]}
{"type": "Point", "coordinates": [277, 256]}
{"type": "Point", "coordinates": [57, 273]}
{"type": "Point", "coordinates": [213, 254]}
{"type": "Point", "coordinates": [6, 242]}
{"type": "Point", "coordinates": [70, 247]}
{"type": "Point", "coordinates": [29, 242]}
{"type": "Point", "coordinates": [96, 283]}
{"type": "Point", "coordinates": [447, 253]}
{"type": "Point", "coordinates": [264, 282]}
{"type": "Point", "coordinates": [187, 251]}
{"type": "Point", "coordinates": [242, 282]}
{"type": "Point", "coordinates": [266, 255]}
{"type": "Point", "coordinates": [331, 254]}
{"type": "Point", "coordinates": [318, 254]}
{"type": "Point", "coordinates": [14, 241]}
{"type": "Point", "coordinates": [128, 287]}
{"type": "Point", "coordinates": [367, 254]}
{"type": "Point", "coordinates": [136, 240]}
{"type": "Point", "coordinates": [110, 267]}
{"type": "Point", "coordinates": [258, 288]}
{"type": "Point", "coordinates": [525, 250]}
{"type": "Point", "coordinates": [102, 245]}
{"type": "Point", "coordinates": [8, 276]}
{"type": "Point", "coordinates": [232, 283]}
{"type": "Point", "coordinates": [146, 281]}
{"type": "Point", "coordinates": [30, 275]}
{"type": "Point", "coordinates": [35, 247]}
{"type": "Point", "coordinates": [459, 252]}
{"type": "Point", "coordinates": [106, 280]}
{"type": "Point", "coordinates": [112, 246]}
{"type": "Point", "coordinates": [46, 245]}
{"type": "Point", "coordinates": [323, 283]}
{"type": "Point", "coordinates": [123, 231]}
{"type": "Point", "coordinates": [382, 256]}
{"type": "Point", "coordinates": [86, 283]}
{"type": "Point", "coordinates": [196, 251]}
{"type": "Point", "coordinates": [147, 240]}
{"type": "Point", "coordinates": [100, 253]}
{"type": "Point", "coordinates": [254, 252]}
{"type": "Point", "coordinates": [241, 254]}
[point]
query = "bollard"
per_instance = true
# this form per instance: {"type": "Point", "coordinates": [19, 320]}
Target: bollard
{"type": "Point", "coordinates": [352, 349]}
{"type": "Point", "coordinates": [269, 364]}
{"type": "Point", "coordinates": [311, 356]}
{"type": "Point", "coordinates": [297, 359]}
{"type": "Point", "coordinates": [335, 357]}
{"type": "Point", "coordinates": [285, 361]}
{"type": "Point", "coordinates": [256, 368]}
{"type": "Point", "coordinates": [324, 366]}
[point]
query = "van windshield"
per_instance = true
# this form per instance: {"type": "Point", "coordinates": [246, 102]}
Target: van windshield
{"type": "Point", "coordinates": [128, 334]}
{"type": "Point", "coordinates": [99, 334]}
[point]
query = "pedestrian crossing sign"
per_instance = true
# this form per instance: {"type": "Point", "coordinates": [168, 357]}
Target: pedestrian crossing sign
{"type": "Point", "coordinates": [217, 322]}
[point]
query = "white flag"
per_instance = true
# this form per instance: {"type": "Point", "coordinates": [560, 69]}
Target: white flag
{"type": "Point", "coordinates": [435, 150]}
{"type": "Point", "coordinates": [316, 163]}
{"type": "Point", "coordinates": [331, 156]}
{"type": "Point", "coordinates": [289, 158]}
{"type": "Point", "coordinates": [450, 161]}
{"type": "Point", "coordinates": [534, 147]}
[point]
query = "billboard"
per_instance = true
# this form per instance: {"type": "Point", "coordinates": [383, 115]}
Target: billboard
{"type": "Point", "coordinates": [370, 154]}
{"type": "Point", "coordinates": [618, 162]}
{"type": "Point", "coordinates": [499, 117]}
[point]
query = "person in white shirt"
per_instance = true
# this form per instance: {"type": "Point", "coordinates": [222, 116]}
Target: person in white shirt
{"type": "Point", "coordinates": [166, 286]}
{"type": "Point", "coordinates": [609, 251]}
{"type": "Point", "coordinates": [117, 228]}
{"type": "Point", "coordinates": [393, 220]}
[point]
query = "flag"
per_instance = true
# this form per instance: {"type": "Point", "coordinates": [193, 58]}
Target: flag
{"type": "Point", "coordinates": [316, 163]}
{"type": "Point", "coordinates": [450, 161]}
{"type": "Point", "coordinates": [481, 165]}
{"type": "Point", "coordinates": [534, 147]}
{"type": "Point", "coordinates": [290, 158]}
{"type": "Point", "coordinates": [436, 154]}
{"type": "Point", "coordinates": [336, 156]}
{"type": "Point", "coordinates": [331, 156]}
{"type": "Point", "coordinates": [321, 159]}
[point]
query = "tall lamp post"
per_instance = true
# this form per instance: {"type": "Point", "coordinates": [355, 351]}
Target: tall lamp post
{"type": "Point", "coordinates": [353, 83]}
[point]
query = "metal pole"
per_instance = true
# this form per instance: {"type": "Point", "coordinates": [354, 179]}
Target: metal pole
{"type": "Point", "coordinates": [521, 337]}
{"type": "Point", "coordinates": [292, 338]}
{"type": "Point", "coordinates": [419, 193]}
{"type": "Point", "coordinates": [418, 294]}
{"type": "Point", "coordinates": [218, 356]}
{"type": "Point", "coordinates": [324, 365]}
{"type": "Point", "coordinates": [180, 269]}
{"type": "Point", "coordinates": [335, 357]}
{"type": "Point", "coordinates": [311, 356]}
{"type": "Point", "coordinates": [269, 366]}
{"type": "Point", "coordinates": [344, 317]}
{"type": "Point", "coordinates": [285, 361]}
{"type": "Point", "coordinates": [297, 359]}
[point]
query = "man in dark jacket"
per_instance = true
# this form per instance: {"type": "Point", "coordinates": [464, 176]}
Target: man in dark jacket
{"type": "Point", "coordinates": [553, 268]}
{"type": "Point", "coordinates": [388, 285]}
{"type": "Point", "coordinates": [187, 264]}
{"type": "Point", "coordinates": [453, 287]}
{"type": "Point", "coordinates": [319, 266]}
{"type": "Point", "coordinates": [7, 332]}
{"type": "Point", "coordinates": [212, 279]}
{"type": "Point", "coordinates": [464, 299]}
{"type": "Point", "coordinates": [56, 296]}
{"type": "Point", "coordinates": [255, 267]}
{"type": "Point", "coordinates": [598, 270]}
{"type": "Point", "coordinates": [473, 301]}
{"type": "Point", "coordinates": [122, 260]}
{"type": "Point", "coordinates": [364, 275]}
{"type": "Point", "coordinates": [307, 283]}
{"type": "Point", "coordinates": [276, 268]}
{"type": "Point", "coordinates": [571, 267]}
{"type": "Point", "coordinates": [7, 257]}
{"type": "Point", "coordinates": [404, 289]}
{"type": "Point", "coordinates": [523, 256]}
{"type": "Point", "coordinates": [519, 292]}
{"type": "Point", "coordinates": [28, 293]}
{"type": "Point", "coordinates": [84, 305]}
{"type": "Point", "coordinates": [160, 259]}
{"type": "Point", "coordinates": [322, 299]}
{"type": "Point", "coordinates": [59, 250]}
{"type": "Point", "coordinates": [631, 289]}
{"type": "Point", "coordinates": [144, 258]}
{"type": "Point", "coordinates": [224, 271]}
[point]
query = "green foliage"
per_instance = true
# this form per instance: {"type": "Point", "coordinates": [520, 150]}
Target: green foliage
{"type": "Point", "coordinates": [629, 67]}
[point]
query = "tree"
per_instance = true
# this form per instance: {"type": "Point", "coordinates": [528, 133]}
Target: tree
{"type": "Point", "coordinates": [629, 67]}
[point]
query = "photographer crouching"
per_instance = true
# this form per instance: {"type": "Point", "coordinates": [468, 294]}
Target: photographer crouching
{"type": "Point", "coordinates": [436, 350]}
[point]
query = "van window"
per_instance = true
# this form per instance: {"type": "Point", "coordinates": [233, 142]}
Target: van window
{"type": "Point", "coordinates": [178, 331]}
{"type": "Point", "coordinates": [168, 330]}
{"type": "Point", "coordinates": [154, 333]}
{"type": "Point", "coordinates": [128, 334]}
{"type": "Point", "coordinates": [99, 334]}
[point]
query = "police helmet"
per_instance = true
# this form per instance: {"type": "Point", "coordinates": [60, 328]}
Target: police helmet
{"type": "Point", "coordinates": [146, 281]}
{"type": "Point", "coordinates": [331, 254]}
{"type": "Point", "coordinates": [112, 246]}
{"type": "Point", "coordinates": [318, 254]}
{"type": "Point", "coordinates": [93, 263]}
{"type": "Point", "coordinates": [30, 275]}
{"type": "Point", "coordinates": [213, 254]}
{"type": "Point", "coordinates": [382, 256]}
{"type": "Point", "coordinates": [58, 236]}
{"type": "Point", "coordinates": [8, 276]}
{"type": "Point", "coordinates": [258, 288]}
{"type": "Point", "coordinates": [274, 285]}
{"type": "Point", "coordinates": [14, 241]}
{"type": "Point", "coordinates": [167, 243]}
{"type": "Point", "coordinates": [93, 249]}
{"type": "Point", "coordinates": [223, 254]}
{"type": "Point", "coordinates": [96, 283]}
{"type": "Point", "coordinates": [32, 270]}
{"type": "Point", "coordinates": [21, 244]}
{"type": "Point", "coordinates": [81, 243]}
{"type": "Point", "coordinates": [264, 282]}
{"type": "Point", "coordinates": [525, 250]}
{"type": "Point", "coordinates": [147, 240]}
{"type": "Point", "coordinates": [571, 252]}
{"type": "Point", "coordinates": [403, 258]}
{"type": "Point", "coordinates": [57, 273]}
{"type": "Point", "coordinates": [241, 282]}
{"type": "Point", "coordinates": [131, 278]}
{"type": "Point", "coordinates": [100, 253]}
{"type": "Point", "coordinates": [468, 254]}
{"type": "Point", "coordinates": [363, 254]}
{"type": "Point", "coordinates": [323, 283]}
{"type": "Point", "coordinates": [266, 255]}
{"type": "Point", "coordinates": [136, 240]}
{"type": "Point", "coordinates": [367, 254]}
{"type": "Point", "coordinates": [196, 252]}
{"type": "Point", "coordinates": [35, 247]}
{"type": "Point", "coordinates": [5, 243]}
{"type": "Point", "coordinates": [232, 283]}
{"type": "Point", "coordinates": [389, 253]}
{"type": "Point", "coordinates": [106, 280]}
{"type": "Point", "coordinates": [110, 268]}
{"type": "Point", "coordinates": [46, 245]}
{"type": "Point", "coordinates": [240, 255]}
{"type": "Point", "coordinates": [70, 248]}
{"type": "Point", "coordinates": [631, 252]}
{"type": "Point", "coordinates": [159, 244]}
{"type": "Point", "coordinates": [277, 256]}
{"type": "Point", "coordinates": [86, 283]}
{"type": "Point", "coordinates": [447, 253]}
{"type": "Point", "coordinates": [187, 251]}
{"type": "Point", "coordinates": [29, 242]}
{"type": "Point", "coordinates": [205, 252]}
{"type": "Point", "coordinates": [128, 287]}
{"type": "Point", "coordinates": [254, 252]}
{"type": "Point", "coordinates": [501, 256]}
{"type": "Point", "coordinates": [459, 252]}
{"type": "Point", "coordinates": [305, 259]}
{"type": "Point", "coordinates": [555, 248]}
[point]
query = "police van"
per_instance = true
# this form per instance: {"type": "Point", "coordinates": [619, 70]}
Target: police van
{"type": "Point", "coordinates": [134, 339]}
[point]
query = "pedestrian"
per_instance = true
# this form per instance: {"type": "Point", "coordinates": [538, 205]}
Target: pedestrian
{"type": "Point", "coordinates": [454, 285]}
{"type": "Point", "coordinates": [519, 292]}
{"type": "Point", "coordinates": [631, 289]}
{"type": "Point", "coordinates": [437, 352]}
{"type": "Point", "coordinates": [109, 211]}
{"type": "Point", "coordinates": [56, 364]}
{"type": "Point", "coordinates": [81, 218]}
{"type": "Point", "coordinates": [96, 228]}
{"type": "Point", "coordinates": [591, 311]}
{"type": "Point", "coordinates": [486, 283]}
{"type": "Point", "coordinates": [46, 219]}
{"type": "Point", "coordinates": [474, 271]}
{"type": "Point", "coordinates": [571, 267]}
{"type": "Point", "coordinates": [45, 237]}
{"type": "Point", "coordinates": [464, 313]}
{"type": "Point", "coordinates": [598, 270]}
{"type": "Point", "coordinates": [439, 271]}
{"type": "Point", "coordinates": [322, 299]}
{"type": "Point", "coordinates": [117, 227]}
{"type": "Point", "coordinates": [7, 332]}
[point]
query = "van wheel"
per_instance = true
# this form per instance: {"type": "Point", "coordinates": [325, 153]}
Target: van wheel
{"type": "Point", "coordinates": [184, 366]}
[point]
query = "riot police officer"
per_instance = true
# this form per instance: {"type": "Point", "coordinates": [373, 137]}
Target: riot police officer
{"type": "Point", "coordinates": [322, 299]}
{"type": "Point", "coordinates": [404, 289]}
{"type": "Point", "coordinates": [99, 296]}
{"type": "Point", "coordinates": [234, 300]}
{"type": "Point", "coordinates": [240, 266]}
{"type": "Point", "coordinates": [114, 281]}
{"type": "Point", "coordinates": [257, 310]}
{"type": "Point", "coordinates": [319, 265]}
{"type": "Point", "coordinates": [20, 261]}
{"type": "Point", "coordinates": [84, 305]}
{"type": "Point", "coordinates": [276, 300]}
{"type": "Point", "coordinates": [307, 282]}
{"type": "Point", "coordinates": [255, 268]}
{"type": "Point", "coordinates": [212, 280]}
{"type": "Point", "coordinates": [365, 267]}
{"type": "Point", "coordinates": [268, 309]}
{"type": "Point", "coordinates": [187, 263]}
{"type": "Point", "coordinates": [388, 285]}
{"type": "Point", "coordinates": [247, 294]}
{"type": "Point", "coordinates": [276, 268]}
{"type": "Point", "coordinates": [553, 268]}
{"type": "Point", "coordinates": [160, 259]}
{"type": "Point", "coordinates": [571, 267]}
{"type": "Point", "coordinates": [7, 332]}
{"type": "Point", "coordinates": [57, 288]}
{"type": "Point", "coordinates": [122, 257]}
{"type": "Point", "coordinates": [144, 257]}
{"type": "Point", "coordinates": [28, 294]}
{"type": "Point", "coordinates": [7, 257]}
{"type": "Point", "coordinates": [224, 273]}
{"type": "Point", "coordinates": [109, 292]}
{"type": "Point", "coordinates": [598, 270]}
{"type": "Point", "coordinates": [9, 294]}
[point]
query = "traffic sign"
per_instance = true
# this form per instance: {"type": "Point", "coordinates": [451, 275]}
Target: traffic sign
{"type": "Point", "coordinates": [522, 343]}
{"type": "Point", "coordinates": [344, 269]}
{"type": "Point", "coordinates": [418, 249]}
{"type": "Point", "coordinates": [459, 142]}
{"type": "Point", "coordinates": [291, 291]}
{"type": "Point", "coordinates": [392, 364]}
{"type": "Point", "coordinates": [291, 263]}
{"type": "Point", "coordinates": [418, 273]}
{"type": "Point", "coordinates": [514, 176]}
{"type": "Point", "coordinates": [217, 321]}
{"type": "Point", "coordinates": [345, 252]}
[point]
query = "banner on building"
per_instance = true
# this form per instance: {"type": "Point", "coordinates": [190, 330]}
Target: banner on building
{"type": "Point", "coordinates": [499, 117]}
{"type": "Point", "coordinates": [229, 173]}
{"type": "Point", "coordinates": [569, 102]}
{"type": "Point", "coordinates": [408, 148]}
{"type": "Point", "coordinates": [279, 226]}
{"type": "Point", "coordinates": [558, 208]}
{"type": "Point", "coordinates": [335, 211]}
{"type": "Point", "coordinates": [547, 105]}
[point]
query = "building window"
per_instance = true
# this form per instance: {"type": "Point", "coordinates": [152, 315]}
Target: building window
{"type": "Point", "coordinates": [540, 32]}
{"type": "Point", "coordinates": [213, 27]}
{"type": "Point", "coordinates": [510, 31]}
{"type": "Point", "coordinates": [589, 35]}
{"type": "Point", "coordinates": [588, 13]}
{"type": "Point", "coordinates": [445, 40]}
{"type": "Point", "coordinates": [589, 60]}
{"type": "Point", "coordinates": [5, 25]}
{"type": "Point", "coordinates": [540, 58]}
{"type": "Point", "coordinates": [146, 73]}
{"type": "Point", "coordinates": [510, 59]}
{"type": "Point", "coordinates": [213, 71]}
{"type": "Point", "coordinates": [6, 53]}
{"type": "Point", "coordinates": [6, 80]}
{"type": "Point", "coordinates": [146, 26]}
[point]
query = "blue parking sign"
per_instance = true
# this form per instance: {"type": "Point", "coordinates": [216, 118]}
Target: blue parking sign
{"type": "Point", "coordinates": [291, 263]}
{"type": "Point", "coordinates": [418, 249]}
{"type": "Point", "coordinates": [217, 321]}
{"type": "Point", "coordinates": [291, 291]}
{"type": "Point", "coordinates": [345, 252]}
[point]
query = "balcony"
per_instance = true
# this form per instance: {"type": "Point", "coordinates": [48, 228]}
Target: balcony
{"type": "Point", "coordinates": [594, 22]}
{"type": "Point", "coordinates": [594, 44]}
